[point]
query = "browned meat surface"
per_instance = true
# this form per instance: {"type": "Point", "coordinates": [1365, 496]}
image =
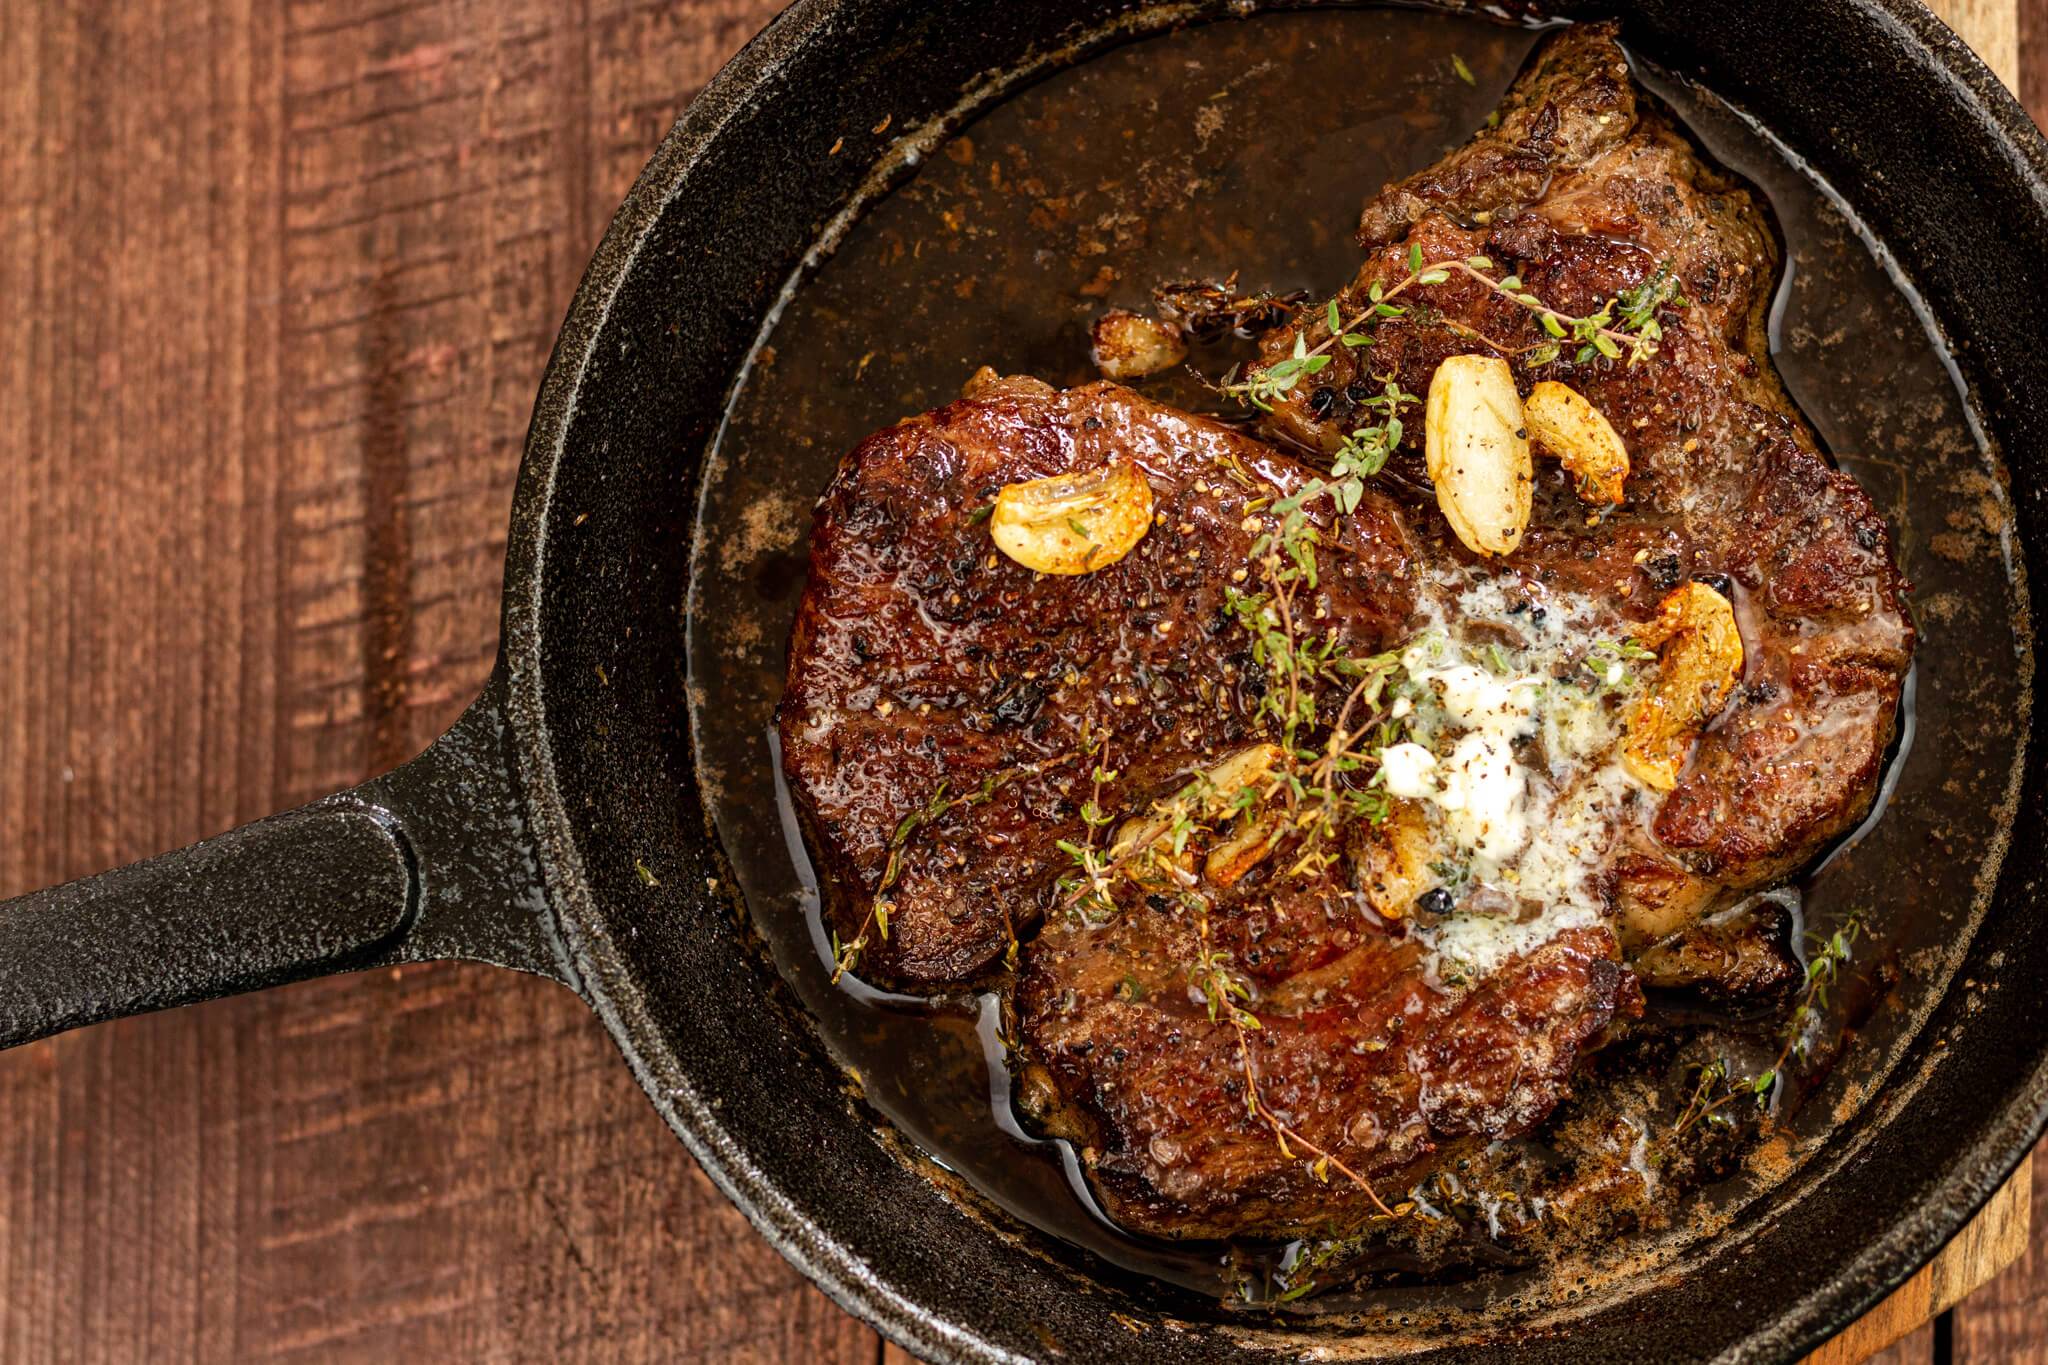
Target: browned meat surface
{"type": "Point", "coordinates": [1585, 192]}
{"type": "Point", "coordinates": [921, 657]}
{"type": "Point", "coordinates": [1737, 953]}
{"type": "Point", "coordinates": [948, 709]}
{"type": "Point", "coordinates": [1360, 1052]}
{"type": "Point", "coordinates": [1573, 103]}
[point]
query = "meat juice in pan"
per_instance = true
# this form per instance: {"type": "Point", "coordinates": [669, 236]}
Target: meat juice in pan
{"type": "Point", "coordinates": [1248, 146]}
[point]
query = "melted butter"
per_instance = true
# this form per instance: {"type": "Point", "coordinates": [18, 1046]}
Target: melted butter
{"type": "Point", "coordinates": [1517, 726]}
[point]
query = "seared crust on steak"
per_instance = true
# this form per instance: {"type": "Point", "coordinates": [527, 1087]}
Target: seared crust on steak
{"type": "Point", "coordinates": [922, 657]}
{"type": "Point", "coordinates": [1574, 102]}
{"type": "Point", "coordinates": [1360, 1051]}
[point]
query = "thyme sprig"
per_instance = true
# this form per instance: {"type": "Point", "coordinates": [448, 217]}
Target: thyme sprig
{"type": "Point", "coordinates": [1090, 891]}
{"type": "Point", "coordinates": [1285, 555]}
{"type": "Point", "coordinates": [1299, 1277]}
{"type": "Point", "coordinates": [1312, 791]}
{"type": "Point", "coordinates": [1714, 1090]}
{"type": "Point", "coordinates": [1626, 324]}
{"type": "Point", "coordinates": [1318, 785]}
{"type": "Point", "coordinates": [1207, 309]}
{"type": "Point", "coordinates": [1325, 798]}
{"type": "Point", "coordinates": [1322, 785]}
{"type": "Point", "coordinates": [846, 955]}
{"type": "Point", "coordinates": [1608, 662]}
{"type": "Point", "coordinates": [1221, 989]}
{"type": "Point", "coordinates": [1823, 968]}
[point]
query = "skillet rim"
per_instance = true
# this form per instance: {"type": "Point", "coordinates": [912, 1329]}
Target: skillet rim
{"type": "Point", "coordinates": [1908, 1241]}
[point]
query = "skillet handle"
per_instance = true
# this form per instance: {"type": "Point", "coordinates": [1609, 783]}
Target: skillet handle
{"type": "Point", "coordinates": [429, 861]}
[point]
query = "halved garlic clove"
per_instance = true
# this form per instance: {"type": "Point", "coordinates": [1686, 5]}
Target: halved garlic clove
{"type": "Point", "coordinates": [1563, 422]}
{"type": "Point", "coordinates": [1073, 523]}
{"type": "Point", "coordinates": [1478, 452]}
{"type": "Point", "coordinates": [1212, 794]}
{"type": "Point", "coordinates": [1243, 850]}
{"type": "Point", "coordinates": [1393, 866]}
{"type": "Point", "coordinates": [1702, 662]}
{"type": "Point", "coordinates": [1247, 767]}
{"type": "Point", "coordinates": [1159, 866]}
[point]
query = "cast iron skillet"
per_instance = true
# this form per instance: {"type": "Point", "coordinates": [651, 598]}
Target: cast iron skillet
{"type": "Point", "coordinates": [508, 841]}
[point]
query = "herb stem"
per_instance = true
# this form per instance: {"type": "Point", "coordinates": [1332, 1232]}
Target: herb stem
{"type": "Point", "coordinates": [1598, 334]}
{"type": "Point", "coordinates": [1211, 976]}
{"type": "Point", "coordinates": [1566, 321]}
{"type": "Point", "coordinates": [846, 955]}
{"type": "Point", "coordinates": [1821, 972]}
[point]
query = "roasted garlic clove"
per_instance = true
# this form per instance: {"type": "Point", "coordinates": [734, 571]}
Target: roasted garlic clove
{"type": "Point", "coordinates": [1249, 767]}
{"type": "Point", "coordinates": [1562, 421]}
{"type": "Point", "coordinates": [1073, 523]}
{"type": "Point", "coordinates": [1144, 848]}
{"type": "Point", "coordinates": [1211, 795]}
{"type": "Point", "coordinates": [1246, 847]}
{"type": "Point", "coordinates": [1478, 452]}
{"type": "Point", "coordinates": [1701, 650]}
{"type": "Point", "coordinates": [1393, 866]}
{"type": "Point", "coordinates": [1131, 346]}
{"type": "Point", "coordinates": [1255, 835]}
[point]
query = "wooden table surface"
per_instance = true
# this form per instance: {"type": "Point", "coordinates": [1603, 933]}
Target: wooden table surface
{"type": "Point", "coordinates": [277, 282]}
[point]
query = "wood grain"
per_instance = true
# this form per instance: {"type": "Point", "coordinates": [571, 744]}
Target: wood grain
{"type": "Point", "coordinates": [1995, 1239]}
{"type": "Point", "coordinates": [1985, 1273]}
{"type": "Point", "coordinates": [1991, 28]}
{"type": "Point", "coordinates": [281, 276]}
{"type": "Point", "coordinates": [2007, 1320]}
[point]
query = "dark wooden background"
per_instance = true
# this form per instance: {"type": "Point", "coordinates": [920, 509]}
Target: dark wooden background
{"type": "Point", "coordinates": [277, 281]}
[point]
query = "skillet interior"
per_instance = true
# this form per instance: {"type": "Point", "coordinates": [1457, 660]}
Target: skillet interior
{"type": "Point", "coordinates": [607, 500]}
